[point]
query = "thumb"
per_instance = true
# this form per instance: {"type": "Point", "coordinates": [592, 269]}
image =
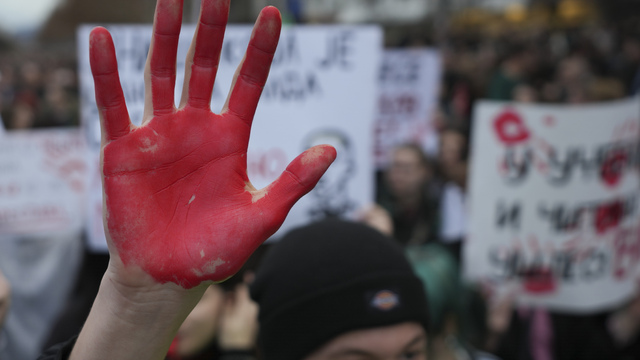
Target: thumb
{"type": "Point", "coordinates": [298, 179]}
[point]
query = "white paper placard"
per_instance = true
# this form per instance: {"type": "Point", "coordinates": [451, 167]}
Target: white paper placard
{"type": "Point", "coordinates": [554, 202]}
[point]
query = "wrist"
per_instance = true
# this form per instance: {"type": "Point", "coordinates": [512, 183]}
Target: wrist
{"type": "Point", "coordinates": [133, 317]}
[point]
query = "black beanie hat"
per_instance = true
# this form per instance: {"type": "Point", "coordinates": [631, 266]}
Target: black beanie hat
{"type": "Point", "coordinates": [329, 278]}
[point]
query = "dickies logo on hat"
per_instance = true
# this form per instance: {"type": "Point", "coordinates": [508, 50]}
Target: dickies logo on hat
{"type": "Point", "coordinates": [385, 300]}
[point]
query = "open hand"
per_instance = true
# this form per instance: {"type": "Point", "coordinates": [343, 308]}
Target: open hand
{"type": "Point", "coordinates": [178, 202]}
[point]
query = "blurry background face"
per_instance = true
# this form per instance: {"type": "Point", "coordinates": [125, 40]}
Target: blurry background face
{"type": "Point", "coordinates": [451, 145]}
{"type": "Point", "coordinates": [525, 93]}
{"type": "Point", "coordinates": [407, 174]}
{"type": "Point", "coordinates": [201, 326]}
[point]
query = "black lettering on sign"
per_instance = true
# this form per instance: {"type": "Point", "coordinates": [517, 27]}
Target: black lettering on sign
{"type": "Point", "coordinates": [540, 270]}
{"type": "Point", "coordinates": [562, 168]}
{"type": "Point", "coordinates": [607, 215]}
{"type": "Point", "coordinates": [561, 217]}
{"type": "Point", "coordinates": [288, 51]}
{"type": "Point", "coordinates": [516, 165]}
{"type": "Point", "coordinates": [608, 162]}
{"type": "Point", "coordinates": [508, 216]}
{"type": "Point", "coordinates": [339, 51]}
{"type": "Point", "coordinates": [402, 104]}
{"type": "Point", "coordinates": [291, 86]}
{"type": "Point", "coordinates": [131, 51]}
{"type": "Point", "coordinates": [394, 71]}
{"type": "Point", "coordinates": [233, 49]}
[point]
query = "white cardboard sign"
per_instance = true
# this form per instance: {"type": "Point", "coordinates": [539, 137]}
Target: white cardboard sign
{"type": "Point", "coordinates": [554, 212]}
{"type": "Point", "coordinates": [42, 181]}
{"type": "Point", "coordinates": [408, 83]}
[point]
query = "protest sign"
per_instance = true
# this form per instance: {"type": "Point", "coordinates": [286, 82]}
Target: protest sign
{"type": "Point", "coordinates": [554, 202]}
{"type": "Point", "coordinates": [321, 89]}
{"type": "Point", "coordinates": [42, 181]}
{"type": "Point", "coordinates": [408, 87]}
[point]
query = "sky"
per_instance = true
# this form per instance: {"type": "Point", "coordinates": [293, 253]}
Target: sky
{"type": "Point", "coordinates": [21, 15]}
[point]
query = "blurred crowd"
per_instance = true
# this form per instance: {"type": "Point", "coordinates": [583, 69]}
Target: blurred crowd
{"type": "Point", "coordinates": [538, 65]}
{"type": "Point", "coordinates": [38, 90]}
{"type": "Point", "coordinates": [420, 199]}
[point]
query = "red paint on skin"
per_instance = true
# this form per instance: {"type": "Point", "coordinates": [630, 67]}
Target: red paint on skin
{"type": "Point", "coordinates": [153, 193]}
{"type": "Point", "coordinates": [189, 197]}
{"type": "Point", "coordinates": [253, 74]}
{"type": "Point", "coordinates": [208, 39]}
{"type": "Point", "coordinates": [164, 47]}
{"type": "Point", "coordinates": [178, 200]}
{"type": "Point", "coordinates": [109, 95]}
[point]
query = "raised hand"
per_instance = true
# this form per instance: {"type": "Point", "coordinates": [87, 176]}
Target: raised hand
{"type": "Point", "coordinates": [178, 202]}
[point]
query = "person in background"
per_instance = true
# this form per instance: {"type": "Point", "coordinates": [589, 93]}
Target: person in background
{"type": "Point", "coordinates": [453, 161]}
{"type": "Point", "coordinates": [525, 93]}
{"type": "Point", "coordinates": [338, 290]}
{"type": "Point", "coordinates": [512, 71]}
{"type": "Point", "coordinates": [457, 325]}
{"type": "Point", "coordinates": [411, 196]}
{"type": "Point", "coordinates": [224, 323]}
{"type": "Point", "coordinates": [222, 326]}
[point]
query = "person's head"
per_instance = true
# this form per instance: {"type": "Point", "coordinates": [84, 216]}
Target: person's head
{"type": "Point", "coordinates": [335, 290]}
{"type": "Point", "coordinates": [518, 58]}
{"type": "Point", "coordinates": [525, 93]}
{"type": "Point", "coordinates": [454, 152]}
{"type": "Point", "coordinates": [204, 327]}
{"type": "Point", "coordinates": [573, 70]}
{"type": "Point", "coordinates": [408, 172]}
{"type": "Point", "coordinates": [453, 147]}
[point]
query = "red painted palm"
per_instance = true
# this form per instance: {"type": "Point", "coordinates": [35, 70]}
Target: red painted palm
{"type": "Point", "coordinates": [178, 202]}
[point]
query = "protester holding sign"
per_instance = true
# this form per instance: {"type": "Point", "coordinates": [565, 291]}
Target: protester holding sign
{"type": "Point", "coordinates": [339, 290]}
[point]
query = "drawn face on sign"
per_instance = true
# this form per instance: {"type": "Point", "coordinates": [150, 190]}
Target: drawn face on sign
{"type": "Point", "coordinates": [332, 187]}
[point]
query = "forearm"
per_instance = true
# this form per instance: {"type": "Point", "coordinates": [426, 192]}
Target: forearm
{"type": "Point", "coordinates": [126, 323]}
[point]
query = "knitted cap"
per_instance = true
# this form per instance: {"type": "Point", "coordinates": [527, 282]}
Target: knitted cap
{"type": "Point", "coordinates": [329, 278]}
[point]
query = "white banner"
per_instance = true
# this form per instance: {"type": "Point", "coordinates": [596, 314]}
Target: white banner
{"type": "Point", "coordinates": [42, 181]}
{"type": "Point", "coordinates": [321, 89]}
{"type": "Point", "coordinates": [409, 82]}
{"type": "Point", "coordinates": [554, 203]}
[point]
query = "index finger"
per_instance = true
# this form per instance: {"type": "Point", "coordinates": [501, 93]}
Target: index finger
{"type": "Point", "coordinates": [252, 72]}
